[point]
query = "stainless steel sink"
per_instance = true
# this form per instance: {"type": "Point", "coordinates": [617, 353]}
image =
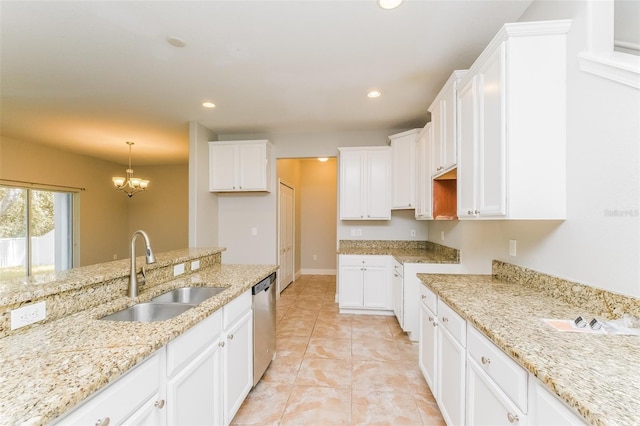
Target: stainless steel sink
{"type": "Point", "coordinates": [149, 312]}
{"type": "Point", "coordinates": [189, 295]}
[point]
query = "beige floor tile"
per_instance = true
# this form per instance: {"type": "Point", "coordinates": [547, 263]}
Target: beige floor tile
{"type": "Point", "coordinates": [332, 329]}
{"type": "Point", "coordinates": [335, 373]}
{"type": "Point", "coordinates": [292, 346]}
{"type": "Point", "coordinates": [336, 348]}
{"type": "Point", "coordinates": [376, 329]}
{"type": "Point", "coordinates": [407, 351]}
{"type": "Point", "coordinates": [416, 380]}
{"type": "Point", "coordinates": [264, 405]}
{"type": "Point", "coordinates": [374, 407]}
{"type": "Point", "coordinates": [374, 349]}
{"type": "Point", "coordinates": [283, 370]}
{"type": "Point", "coordinates": [378, 376]}
{"type": "Point", "coordinates": [311, 405]}
{"type": "Point", "coordinates": [429, 411]}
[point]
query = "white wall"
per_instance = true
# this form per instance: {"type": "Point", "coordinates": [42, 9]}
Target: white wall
{"type": "Point", "coordinates": [203, 205]}
{"type": "Point", "coordinates": [593, 245]}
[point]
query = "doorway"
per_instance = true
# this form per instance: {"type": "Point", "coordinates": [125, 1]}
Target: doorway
{"type": "Point", "coordinates": [286, 238]}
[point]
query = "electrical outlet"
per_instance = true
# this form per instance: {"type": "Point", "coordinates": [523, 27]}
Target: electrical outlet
{"type": "Point", "coordinates": [358, 232]}
{"type": "Point", "coordinates": [195, 265]}
{"type": "Point", "coordinates": [354, 232]}
{"type": "Point", "coordinates": [315, 257]}
{"type": "Point", "coordinates": [512, 248]}
{"type": "Point", "coordinates": [442, 235]}
{"type": "Point", "coordinates": [115, 257]}
{"type": "Point", "coordinates": [28, 315]}
{"type": "Point", "coordinates": [178, 269]}
{"type": "Point", "coordinates": [413, 232]}
{"type": "Point", "coordinates": [254, 231]}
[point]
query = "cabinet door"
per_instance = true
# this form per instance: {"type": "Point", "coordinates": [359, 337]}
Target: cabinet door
{"type": "Point", "coordinates": [237, 365]}
{"type": "Point", "coordinates": [451, 378]}
{"type": "Point", "coordinates": [222, 167]}
{"type": "Point", "coordinates": [467, 135]}
{"type": "Point", "coordinates": [253, 167]}
{"type": "Point", "coordinates": [351, 293]}
{"type": "Point", "coordinates": [377, 191]}
{"type": "Point", "coordinates": [449, 149]}
{"type": "Point", "coordinates": [423, 174]}
{"type": "Point", "coordinates": [486, 403]}
{"type": "Point", "coordinates": [436, 138]}
{"type": "Point", "coordinates": [193, 393]}
{"type": "Point", "coordinates": [376, 288]}
{"type": "Point", "coordinates": [397, 295]}
{"type": "Point", "coordinates": [351, 185]}
{"type": "Point", "coordinates": [545, 409]}
{"type": "Point", "coordinates": [152, 413]}
{"type": "Point", "coordinates": [428, 347]}
{"type": "Point", "coordinates": [403, 170]}
{"type": "Point", "coordinates": [491, 176]}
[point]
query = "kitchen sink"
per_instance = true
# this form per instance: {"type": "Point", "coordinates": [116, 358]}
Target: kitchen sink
{"type": "Point", "coordinates": [188, 295]}
{"type": "Point", "coordinates": [149, 312]}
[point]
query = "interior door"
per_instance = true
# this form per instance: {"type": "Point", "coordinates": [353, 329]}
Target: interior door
{"type": "Point", "coordinates": [286, 249]}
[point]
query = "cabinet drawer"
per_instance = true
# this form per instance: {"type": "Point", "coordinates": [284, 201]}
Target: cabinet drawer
{"type": "Point", "coordinates": [429, 298]}
{"type": "Point", "coordinates": [369, 260]}
{"type": "Point", "coordinates": [122, 398]}
{"type": "Point", "coordinates": [236, 308]}
{"type": "Point", "coordinates": [505, 372]}
{"type": "Point", "coordinates": [453, 322]}
{"type": "Point", "coordinates": [186, 347]}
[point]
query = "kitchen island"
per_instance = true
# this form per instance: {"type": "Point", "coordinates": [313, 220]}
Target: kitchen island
{"type": "Point", "coordinates": [50, 368]}
{"type": "Point", "coordinates": [598, 375]}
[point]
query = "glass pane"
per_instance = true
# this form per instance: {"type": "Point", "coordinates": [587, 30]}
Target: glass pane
{"type": "Point", "coordinates": [13, 232]}
{"type": "Point", "coordinates": [43, 236]}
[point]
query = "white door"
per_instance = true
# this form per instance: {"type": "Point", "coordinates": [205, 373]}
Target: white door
{"type": "Point", "coordinates": [286, 249]}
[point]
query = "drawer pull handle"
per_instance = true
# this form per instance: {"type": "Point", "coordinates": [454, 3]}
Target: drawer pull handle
{"type": "Point", "coordinates": [485, 361]}
{"type": "Point", "coordinates": [103, 422]}
{"type": "Point", "coordinates": [513, 418]}
{"type": "Point", "coordinates": [159, 404]}
{"type": "Point", "coordinates": [445, 319]}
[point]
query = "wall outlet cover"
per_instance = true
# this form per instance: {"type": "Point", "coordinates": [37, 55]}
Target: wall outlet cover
{"type": "Point", "coordinates": [195, 265]}
{"type": "Point", "coordinates": [28, 315]}
{"type": "Point", "coordinates": [512, 248]}
{"type": "Point", "coordinates": [178, 269]}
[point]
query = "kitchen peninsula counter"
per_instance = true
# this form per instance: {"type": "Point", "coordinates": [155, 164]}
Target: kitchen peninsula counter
{"type": "Point", "coordinates": [402, 251]}
{"type": "Point", "coordinates": [596, 374]}
{"type": "Point", "coordinates": [50, 368]}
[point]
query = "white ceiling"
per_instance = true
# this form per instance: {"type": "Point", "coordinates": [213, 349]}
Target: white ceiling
{"type": "Point", "coordinates": [88, 76]}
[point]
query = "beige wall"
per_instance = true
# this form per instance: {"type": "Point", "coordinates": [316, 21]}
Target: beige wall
{"type": "Point", "coordinates": [106, 216]}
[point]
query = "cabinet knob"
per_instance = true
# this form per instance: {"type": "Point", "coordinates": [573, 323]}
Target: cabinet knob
{"type": "Point", "coordinates": [445, 319]}
{"type": "Point", "coordinates": [230, 336]}
{"type": "Point", "coordinates": [469, 212]}
{"type": "Point", "coordinates": [485, 361]}
{"type": "Point", "coordinates": [435, 324]}
{"type": "Point", "coordinates": [159, 404]}
{"type": "Point", "coordinates": [103, 422]}
{"type": "Point", "coordinates": [476, 212]}
{"type": "Point", "coordinates": [513, 418]}
{"type": "Point", "coordinates": [221, 344]}
{"type": "Point", "coordinates": [430, 319]}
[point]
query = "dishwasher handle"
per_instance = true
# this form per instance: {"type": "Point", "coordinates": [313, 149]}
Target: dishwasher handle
{"type": "Point", "coordinates": [264, 285]}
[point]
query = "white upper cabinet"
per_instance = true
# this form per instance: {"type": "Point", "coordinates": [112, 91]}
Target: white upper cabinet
{"type": "Point", "coordinates": [403, 174]}
{"type": "Point", "coordinates": [423, 174]}
{"type": "Point", "coordinates": [365, 183]}
{"type": "Point", "coordinates": [512, 126]}
{"type": "Point", "coordinates": [239, 166]}
{"type": "Point", "coordinates": [443, 118]}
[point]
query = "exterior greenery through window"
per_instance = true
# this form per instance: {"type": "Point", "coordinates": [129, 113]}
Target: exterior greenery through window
{"type": "Point", "coordinates": [35, 231]}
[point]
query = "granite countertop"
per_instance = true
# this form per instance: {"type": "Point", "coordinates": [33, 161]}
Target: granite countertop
{"type": "Point", "coordinates": [596, 374]}
{"type": "Point", "coordinates": [402, 251]}
{"type": "Point", "coordinates": [56, 365]}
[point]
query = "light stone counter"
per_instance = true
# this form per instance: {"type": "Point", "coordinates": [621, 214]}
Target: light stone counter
{"type": "Point", "coordinates": [403, 251]}
{"type": "Point", "coordinates": [50, 368]}
{"type": "Point", "coordinates": [596, 374]}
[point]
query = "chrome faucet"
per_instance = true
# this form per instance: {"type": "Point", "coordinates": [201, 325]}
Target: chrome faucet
{"type": "Point", "coordinates": [150, 258]}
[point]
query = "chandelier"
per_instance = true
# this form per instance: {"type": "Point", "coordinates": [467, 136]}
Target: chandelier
{"type": "Point", "coordinates": [130, 185]}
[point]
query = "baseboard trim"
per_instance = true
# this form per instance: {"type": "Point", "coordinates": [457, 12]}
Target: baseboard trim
{"type": "Point", "coordinates": [317, 271]}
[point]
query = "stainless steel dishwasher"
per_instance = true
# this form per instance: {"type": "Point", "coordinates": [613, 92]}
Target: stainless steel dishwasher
{"type": "Point", "coordinates": [264, 325]}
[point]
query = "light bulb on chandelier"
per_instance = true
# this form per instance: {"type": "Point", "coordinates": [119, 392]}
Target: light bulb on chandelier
{"type": "Point", "coordinates": [130, 185]}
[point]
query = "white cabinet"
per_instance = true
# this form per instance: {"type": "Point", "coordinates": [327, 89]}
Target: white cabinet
{"type": "Point", "coordinates": [365, 183]}
{"type": "Point", "coordinates": [135, 398]}
{"type": "Point", "coordinates": [450, 380]}
{"type": "Point", "coordinates": [428, 341]}
{"type": "Point", "coordinates": [364, 284]}
{"type": "Point", "coordinates": [496, 385]}
{"type": "Point", "coordinates": [397, 284]}
{"type": "Point", "coordinates": [193, 390]}
{"type": "Point", "coordinates": [423, 174]}
{"type": "Point", "coordinates": [403, 174]}
{"type": "Point", "coordinates": [443, 118]}
{"type": "Point", "coordinates": [512, 126]}
{"type": "Point", "coordinates": [546, 409]}
{"type": "Point", "coordinates": [237, 354]}
{"type": "Point", "coordinates": [238, 166]}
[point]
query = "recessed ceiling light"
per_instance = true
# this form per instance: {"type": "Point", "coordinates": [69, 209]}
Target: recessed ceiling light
{"type": "Point", "coordinates": [374, 94]}
{"type": "Point", "coordinates": [176, 41]}
{"type": "Point", "coordinates": [323, 159]}
{"type": "Point", "coordinates": [389, 4]}
{"type": "Point", "coordinates": [208, 105]}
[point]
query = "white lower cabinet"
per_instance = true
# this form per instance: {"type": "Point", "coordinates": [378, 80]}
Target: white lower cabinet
{"type": "Point", "coordinates": [364, 284]}
{"type": "Point", "coordinates": [201, 377]}
{"type": "Point", "coordinates": [428, 340]}
{"type": "Point", "coordinates": [545, 409]}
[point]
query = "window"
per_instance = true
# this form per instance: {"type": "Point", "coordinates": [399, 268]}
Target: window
{"type": "Point", "coordinates": [626, 31]}
{"type": "Point", "coordinates": [36, 231]}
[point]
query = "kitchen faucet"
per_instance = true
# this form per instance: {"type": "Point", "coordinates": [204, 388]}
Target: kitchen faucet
{"type": "Point", "coordinates": [150, 258]}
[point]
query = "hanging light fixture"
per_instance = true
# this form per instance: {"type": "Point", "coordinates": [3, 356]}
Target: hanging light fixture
{"type": "Point", "coordinates": [130, 185]}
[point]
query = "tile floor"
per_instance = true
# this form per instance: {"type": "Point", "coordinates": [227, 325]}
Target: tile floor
{"type": "Point", "coordinates": [333, 368]}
